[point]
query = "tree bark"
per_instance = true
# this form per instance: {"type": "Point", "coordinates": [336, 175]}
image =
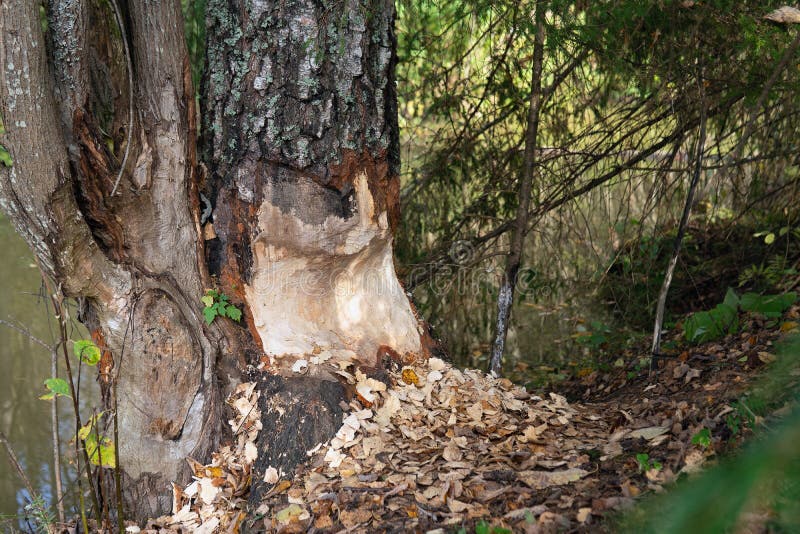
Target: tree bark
{"type": "Point", "coordinates": [300, 146]}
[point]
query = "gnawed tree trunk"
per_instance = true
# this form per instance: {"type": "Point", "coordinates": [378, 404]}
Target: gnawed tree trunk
{"type": "Point", "coordinates": [301, 150]}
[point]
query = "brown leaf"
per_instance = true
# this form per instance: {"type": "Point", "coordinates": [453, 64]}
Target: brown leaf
{"type": "Point", "coordinates": [544, 479]}
{"type": "Point", "coordinates": [583, 514]}
{"type": "Point", "coordinates": [352, 518]}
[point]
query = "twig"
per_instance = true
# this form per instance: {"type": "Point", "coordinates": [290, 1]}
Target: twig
{"type": "Point", "coordinates": [27, 333]}
{"type": "Point", "coordinates": [687, 208]}
{"type": "Point", "coordinates": [12, 459]}
{"type": "Point", "coordinates": [56, 442]}
{"type": "Point", "coordinates": [53, 416]}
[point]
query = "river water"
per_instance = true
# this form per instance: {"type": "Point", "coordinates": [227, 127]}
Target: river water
{"type": "Point", "coordinates": [24, 418]}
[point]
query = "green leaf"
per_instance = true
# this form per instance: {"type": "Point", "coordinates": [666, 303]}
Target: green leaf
{"type": "Point", "coordinates": [770, 238]}
{"type": "Point", "coordinates": [86, 350]}
{"type": "Point", "coordinates": [56, 386]}
{"type": "Point", "coordinates": [655, 464]}
{"type": "Point", "coordinates": [731, 298]}
{"type": "Point", "coordinates": [481, 527]}
{"type": "Point", "coordinates": [85, 430]}
{"type": "Point", "coordinates": [101, 453]}
{"type": "Point", "coordinates": [208, 300]}
{"type": "Point", "coordinates": [234, 313]}
{"type": "Point", "coordinates": [702, 438]}
{"type": "Point", "coordinates": [209, 314]}
{"type": "Point", "coordinates": [710, 325]}
{"type": "Point", "coordinates": [5, 157]}
{"type": "Point", "coordinates": [771, 306]}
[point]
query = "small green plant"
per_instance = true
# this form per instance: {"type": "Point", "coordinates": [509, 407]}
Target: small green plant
{"type": "Point", "coordinates": [715, 323]}
{"type": "Point", "coordinates": [723, 319]}
{"type": "Point", "coordinates": [702, 438]}
{"type": "Point", "coordinates": [86, 351]}
{"type": "Point", "coordinates": [733, 422]}
{"type": "Point", "coordinates": [217, 304]}
{"type": "Point", "coordinates": [770, 306]}
{"type": "Point", "coordinates": [741, 415]}
{"type": "Point", "coordinates": [40, 514]}
{"type": "Point", "coordinates": [482, 527]}
{"type": "Point", "coordinates": [595, 337]}
{"type": "Point", "coordinates": [646, 463]}
{"type": "Point", "coordinates": [99, 448]}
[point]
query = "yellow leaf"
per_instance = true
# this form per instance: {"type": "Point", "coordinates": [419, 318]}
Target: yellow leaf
{"type": "Point", "coordinates": [290, 512]}
{"type": "Point", "coordinates": [410, 377]}
{"type": "Point", "coordinates": [213, 472]}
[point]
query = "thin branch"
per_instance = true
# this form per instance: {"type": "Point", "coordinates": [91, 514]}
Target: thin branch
{"type": "Point", "coordinates": [12, 459]}
{"type": "Point", "coordinates": [28, 334]}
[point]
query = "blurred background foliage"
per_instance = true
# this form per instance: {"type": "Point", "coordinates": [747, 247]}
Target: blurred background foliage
{"type": "Point", "coordinates": [624, 85]}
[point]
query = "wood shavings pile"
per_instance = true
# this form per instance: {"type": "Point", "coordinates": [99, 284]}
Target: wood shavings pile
{"type": "Point", "coordinates": [216, 499]}
{"type": "Point", "coordinates": [440, 446]}
{"type": "Point", "coordinates": [433, 448]}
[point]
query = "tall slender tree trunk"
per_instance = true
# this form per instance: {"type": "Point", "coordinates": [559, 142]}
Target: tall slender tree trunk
{"type": "Point", "coordinates": [505, 298]}
{"type": "Point", "coordinates": [300, 147]}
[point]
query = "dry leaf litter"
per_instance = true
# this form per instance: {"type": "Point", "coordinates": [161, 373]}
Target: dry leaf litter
{"type": "Point", "coordinates": [444, 447]}
{"type": "Point", "coordinates": [440, 447]}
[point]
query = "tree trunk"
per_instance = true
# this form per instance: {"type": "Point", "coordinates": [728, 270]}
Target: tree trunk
{"type": "Point", "coordinates": [505, 297]}
{"type": "Point", "coordinates": [300, 144]}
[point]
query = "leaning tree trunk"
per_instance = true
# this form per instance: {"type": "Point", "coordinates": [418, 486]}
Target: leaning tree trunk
{"type": "Point", "coordinates": [301, 149]}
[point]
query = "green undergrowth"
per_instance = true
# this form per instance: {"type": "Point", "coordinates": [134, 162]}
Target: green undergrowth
{"type": "Point", "coordinates": [723, 319]}
{"type": "Point", "coordinates": [758, 256]}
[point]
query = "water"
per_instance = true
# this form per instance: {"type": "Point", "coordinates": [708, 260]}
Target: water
{"type": "Point", "coordinates": [24, 418]}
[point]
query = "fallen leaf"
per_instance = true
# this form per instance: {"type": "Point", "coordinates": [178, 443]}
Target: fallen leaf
{"type": "Point", "coordinates": [409, 376]}
{"type": "Point", "coordinates": [293, 511]}
{"type": "Point", "coordinates": [785, 15]}
{"type": "Point", "coordinates": [629, 489]}
{"type": "Point", "coordinates": [544, 479]}
{"type": "Point", "coordinates": [207, 490]}
{"type": "Point", "coordinates": [649, 432]}
{"type": "Point", "coordinates": [250, 452]}
{"type": "Point", "coordinates": [271, 475]}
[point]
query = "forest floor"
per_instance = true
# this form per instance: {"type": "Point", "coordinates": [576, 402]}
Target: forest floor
{"type": "Point", "coordinates": [440, 449]}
